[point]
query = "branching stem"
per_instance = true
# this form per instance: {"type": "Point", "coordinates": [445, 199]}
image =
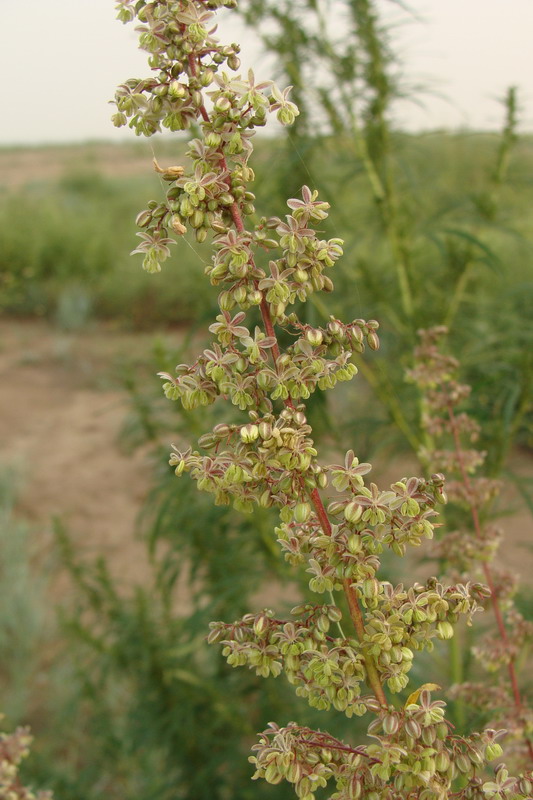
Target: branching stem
{"type": "Point", "coordinates": [487, 570]}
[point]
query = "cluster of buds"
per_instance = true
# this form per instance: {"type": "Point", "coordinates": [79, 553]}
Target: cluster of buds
{"type": "Point", "coordinates": [414, 754]}
{"type": "Point", "coordinates": [268, 458]}
{"type": "Point", "coordinates": [188, 61]}
{"type": "Point", "coordinates": [14, 747]}
{"type": "Point", "coordinates": [470, 552]}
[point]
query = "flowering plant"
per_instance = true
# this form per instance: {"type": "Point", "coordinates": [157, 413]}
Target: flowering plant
{"type": "Point", "coordinates": [365, 636]}
{"type": "Point", "coordinates": [14, 748]}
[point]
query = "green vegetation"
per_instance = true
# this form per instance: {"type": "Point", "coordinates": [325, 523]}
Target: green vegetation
{"type": "Point", "coordinates": [77, 230]}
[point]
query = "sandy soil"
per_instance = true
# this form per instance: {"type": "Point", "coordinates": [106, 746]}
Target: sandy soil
{"type": "Point", "coordinates": [60, 418]}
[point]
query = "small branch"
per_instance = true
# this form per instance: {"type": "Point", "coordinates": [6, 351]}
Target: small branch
{"type": "Point", "coordinates": [357, 750]}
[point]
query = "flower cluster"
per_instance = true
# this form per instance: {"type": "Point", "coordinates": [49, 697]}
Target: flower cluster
{"type": "Point", "coordinates": [14, 747]}
{"type": "Point", "coordinates": [471, 551]}
{"type": "Point", "coordinates": [187, 60]}
{"type": "Point", "coordinates": [265, 454]}
{"type": "Point", "coordinates": [413, 754]}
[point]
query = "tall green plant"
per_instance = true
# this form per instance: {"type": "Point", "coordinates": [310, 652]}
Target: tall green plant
{"type": "Point", "coordinates": [329, 651]}
{"type": "Point", "coordinates": [350, 83]}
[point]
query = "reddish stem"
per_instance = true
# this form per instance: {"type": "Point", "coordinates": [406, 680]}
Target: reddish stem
{"type": "Point", "coordinates": [357, 750]}
{"type": "Point", "coordinates": [487, 570]}
{"type": "Point", "coordinates": [353, 604]}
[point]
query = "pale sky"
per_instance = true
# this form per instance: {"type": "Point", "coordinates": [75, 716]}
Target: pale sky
{"type": "Point", "coordinates": [61, 59]}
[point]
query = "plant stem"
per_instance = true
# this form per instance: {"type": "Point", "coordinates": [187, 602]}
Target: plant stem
{"type": "Point", "coordinates": [457, 674]}
{"type": "Point", "coordinates": [353, 604]}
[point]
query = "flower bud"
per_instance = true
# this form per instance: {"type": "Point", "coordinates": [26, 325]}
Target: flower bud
{"type": "Point", "coordinates": [334, 613]}
{"type": "Point", "coordinates": [493, 750]}
{"type": "Point", "coordinates": [353, 512]}
{"type": "Point", "coordinates": [177, 90]}
{"type": "Point", "coordinates": [322, 480]}
{"type": "Point", "coordinates": [444, 630]}
{"type": "Point", "coordinates": [226, 301]}
{"type": "Point", "coordinates": [323, 623]}
{"type": "Point", "coordinates": [370, 587]}
{"type": "Point", "coordinates": [234, 62]}
{"type": "Point", "coordinates": [390, 724]}
{"type": "Point", "coordinates": [335, 328]}
{"type": "Point", "coordinates": [143, 219]}
{"type": "Point", "coordinates": [240, 294]}
{"type": "Point", "coordinates": [412, 728]}
{"type": "Point", "coordinates": [264, 500]}
{"type": "Point", "coordinates": [197, 219]}
{"type": "Point", "coordinates": [222, 104]}
{"type": "Point", "coordinates": [249, 433]}
{"type": "Point", "coordinates": [265, 430]}
{"type": "Point", "coordinates": [314, 336]}
{"type": "Point", "coordinates": [260, 625]}
{"type": "Point", "coordinates": [302, 512]}
{"type": "Point", "coordinates": [462, 763]}
{"type": "Point", "coordinates": [354, 543]}
{"type": "Point", "coordinates": [373, 341]}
